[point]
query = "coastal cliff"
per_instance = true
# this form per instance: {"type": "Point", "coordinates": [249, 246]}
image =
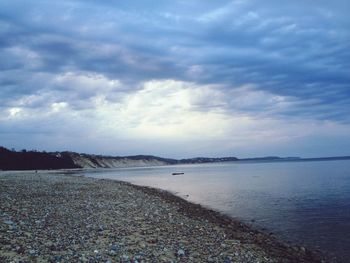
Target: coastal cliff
{"type": "Point", "coordinates": [34, 160]}
{"type": "Point", "coordinates": [97, 161]}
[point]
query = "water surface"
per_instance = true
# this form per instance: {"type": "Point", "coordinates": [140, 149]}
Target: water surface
{"type": "Point", "coordinates": [303, 202]}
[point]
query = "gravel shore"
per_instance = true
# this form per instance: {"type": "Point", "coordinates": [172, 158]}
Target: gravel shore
{"type": "Point", "coordinates": [52, 217]}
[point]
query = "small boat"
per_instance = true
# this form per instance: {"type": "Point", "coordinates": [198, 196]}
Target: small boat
{"type": "Point", "coordinates": [177, 173]}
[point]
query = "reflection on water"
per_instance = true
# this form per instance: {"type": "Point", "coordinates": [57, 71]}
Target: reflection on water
{"type": "Point", "coordinates": [303, 202]}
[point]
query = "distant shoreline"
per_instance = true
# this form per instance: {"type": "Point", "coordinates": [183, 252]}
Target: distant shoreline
{"type": "Point", "coordinates": [249, 160]}
{"type": "Point", "coordinates": [32, 160]}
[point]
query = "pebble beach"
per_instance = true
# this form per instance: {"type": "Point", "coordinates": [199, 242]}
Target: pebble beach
{"type": "Point", "coordinates": [57, 217]}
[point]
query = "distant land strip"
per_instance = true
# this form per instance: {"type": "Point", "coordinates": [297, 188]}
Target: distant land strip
{"type": "Point", "coordinates": [34, 160]}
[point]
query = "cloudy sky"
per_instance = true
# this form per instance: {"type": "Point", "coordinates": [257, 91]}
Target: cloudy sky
{"type": "Point", "coordinates": [176, 78]}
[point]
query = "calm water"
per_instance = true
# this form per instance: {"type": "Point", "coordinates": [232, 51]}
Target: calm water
{"type": "Point", "coordinates": [303, 202]}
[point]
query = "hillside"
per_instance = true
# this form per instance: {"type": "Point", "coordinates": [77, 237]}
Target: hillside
{"type": "Point", "coordinates": [33, 160]}
{"type": "Point", "coordinates": [99, 161]}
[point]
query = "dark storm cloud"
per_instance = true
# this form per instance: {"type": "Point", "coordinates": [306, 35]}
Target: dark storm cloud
{"type": "Point", "coordinates": [291, 49]}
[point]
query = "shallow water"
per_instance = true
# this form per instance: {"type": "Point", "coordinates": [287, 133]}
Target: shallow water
{"type": "Point", "coordinates": [303, 202]}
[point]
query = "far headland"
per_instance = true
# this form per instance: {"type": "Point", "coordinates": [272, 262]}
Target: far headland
{"type": "Point", "coordinates": [35, 160]}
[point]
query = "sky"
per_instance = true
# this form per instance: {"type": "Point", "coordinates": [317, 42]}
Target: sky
{"type": "Point", "coordinates": [176, 78]}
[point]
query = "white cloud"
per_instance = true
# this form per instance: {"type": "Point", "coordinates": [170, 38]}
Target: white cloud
{"type": "Point", "coordinates": [228, 9]}
{"type": "Point", "coordinates": [14, 112]}
{"type": "Point", "coordinates": [175, 113]}
{"type": "Point", "coordinates": [59, 106]}
{"type": "Point", "coordinates": [86, 82]}
{"type": "Point", "coordinates": [175, 110]}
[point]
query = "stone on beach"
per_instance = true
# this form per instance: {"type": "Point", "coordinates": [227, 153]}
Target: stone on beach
{"type": "Point", "coordinates": [52, 217]}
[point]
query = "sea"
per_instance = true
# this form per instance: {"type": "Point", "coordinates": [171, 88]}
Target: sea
{"type": "Point", "coordinates": [303, 202]}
